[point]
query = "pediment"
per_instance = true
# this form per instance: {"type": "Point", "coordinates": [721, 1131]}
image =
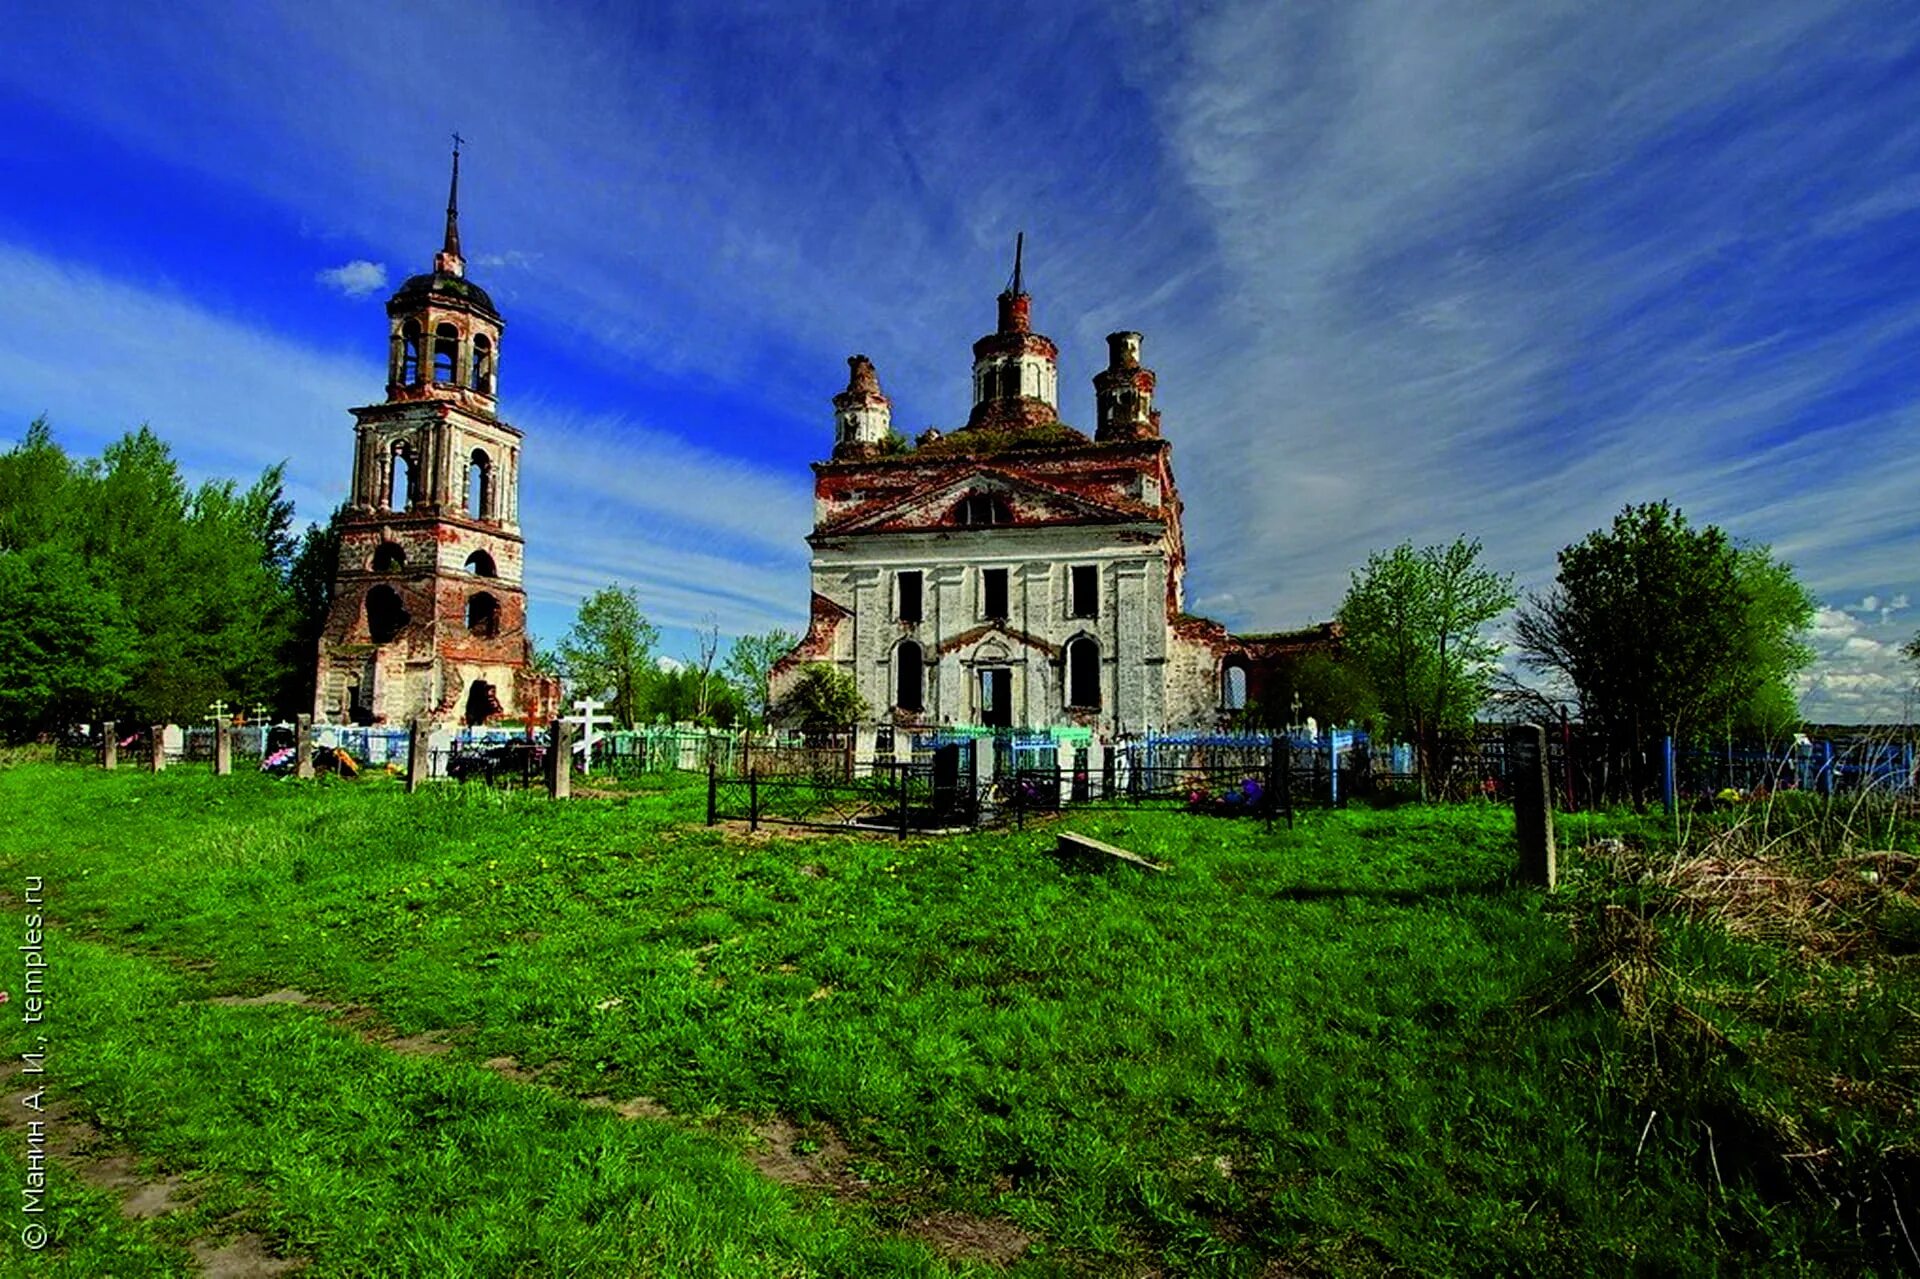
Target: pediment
{"type": "Point", "coordinates": [1027, 501]}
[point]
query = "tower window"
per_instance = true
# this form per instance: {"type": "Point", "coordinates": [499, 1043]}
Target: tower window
{"type": "Point", "coordinates": [483, 614]}
{"type": "Point", "coordinates": [909, 677]}
{"type": "Point", "coordinates": [910, 595]}
{"type": "Point", "coordinates": [446, 353]}
{"type": "Point", "coordinates": [410, 354]}
{"type": "Point", "coordinates": [1083, 672]}
{"type": "Point", "coordinates": [1085, 591]}
{"type": "Point", "coordinates": [482, 364]}
{"type": "Point", "coordinates": [980, 509]}
{"type": "Point", "coordinates": [400, 480]}
{"type": "Point", "coordinates": [389, 558]}
{"type": "Point", "coordinates": [1233, 688]}
{"type": "Point", "coordinates": [480, 564]}
{"type": "Point", "coordinates": [480, 485]}
{"type": "Point", "coordinates": [386, 615]}
{"type": "Point", "coordinates": [993, 593]}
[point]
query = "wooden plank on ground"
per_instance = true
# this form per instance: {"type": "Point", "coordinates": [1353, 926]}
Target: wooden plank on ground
{"type": "Point", "coordinates": [1086, 846]}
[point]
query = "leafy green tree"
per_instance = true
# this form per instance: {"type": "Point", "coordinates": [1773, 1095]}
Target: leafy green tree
{"type": "Point", "coordinates": [1412, 622]}
{"type": "Point", "coordinates": [66, 649]}
{"type": "Point", "coordinates": [1663, 629]}
{"type": "Point", "coordinates": [608, 653]}
{"type": "Point", "coordinates": [749, 665]}
{"type": "Point", "coordinates": [310, 574]}
{"type": "Point", "coordinates": [824, 697]}
{"type": "Point", "coordinates": [673, 694]}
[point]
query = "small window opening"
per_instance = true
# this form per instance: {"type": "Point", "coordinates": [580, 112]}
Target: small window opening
{"type": "Point", "coordinates": [446, 353]}
{"type": "Point", "coordinates": [482, 364]}
{"type": "Point", "coordinates": [1083, 672]}
{"type": "Point", "coordinates": [993, 592]}
{"type": "Point", "coordinates": [1085, 590]}
{"type": "Point", "coordinates": [389, 558]}
{"type": "Point", "coordinates": [482, 703]}
{"type": "Point", "coordinates": [386, 615]}
{"type": "Point", "coordinates": [910, 596]}
{"type": "Point", "coordinates": [410, 354]}
{"type": "Point", "coordinates": [400, 481]}
{"type": "Point", "coordinates": [480, 485]}
{"type": "Point", "coordinates": [480, 564]}
{"type": "Point", "coordinates": [1233, 688]}
{"type": "Point", "coordinates": [909, 677]}
{"type": "Point", "coordinates": [979, 509]}
{"type": "Point", "coordinates": [483, 614]}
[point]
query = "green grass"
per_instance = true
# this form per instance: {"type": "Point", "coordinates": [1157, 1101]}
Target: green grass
{"type": "Point", "coordinates": [1322, 1045]}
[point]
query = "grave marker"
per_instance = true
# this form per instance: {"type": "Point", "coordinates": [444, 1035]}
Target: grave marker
{"type": "Point", "coordinates": [222, 749]}
{"type": "Point", "coordinates": [1532, 785]}
{"type": "Point", "coordinates": [303, 746]}
{"type": "Point", "coordinates": [418, 755]}
{"type": "Point", "coordinates": [560, 761]}
{"type": "Point", "coordinates": [109, 747]}
{"type": "Point", "coordinates": [590, 724]}
{"type": "Point", "coordinates": [159, 760]}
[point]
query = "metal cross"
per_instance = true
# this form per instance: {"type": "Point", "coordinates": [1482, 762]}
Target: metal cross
{"type": "Point", "coordinates": [458, 141]}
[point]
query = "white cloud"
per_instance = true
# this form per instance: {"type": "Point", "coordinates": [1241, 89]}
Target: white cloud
{"type": "Point", "coordinates": [357, 279]}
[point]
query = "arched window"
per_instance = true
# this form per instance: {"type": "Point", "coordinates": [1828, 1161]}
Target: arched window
{"type": "Point", "coordinates": [446, 353]}
{"type": "Point", "coordinates": [1233, 688]}
{"type": "Point", "coordinates": [410, 353]}
{"type": "Point", "coordinates": [980, 509]}
{"type": "Point", "coordinates": [483, 614]}
{"type": "Point", "coordinates": [482, 364]}
{"type": "Point", "coordinates": [480, 564]}
{"type": "Point", "coordinates": [480, 485]}
{"type": "Point", "coordinates": [909, 677]}
{"type": "Point", "coordinates": [482, 703]}
{"type": "Point", "coordinates": [1083, 672]}
{"type": "Point", "coordinates": [386, 615]}
{"type": "Point", "coordinates": [389, 558]}
{"type": "Point", "coordinates": [1010, 380]}
{"type": "Point", "coordinates": [400, 480]}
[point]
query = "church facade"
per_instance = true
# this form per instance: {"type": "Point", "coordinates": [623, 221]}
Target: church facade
{"type": "Point", "coordinates": [428, 612]}
{"type": "Point", "coordinates": [1014, 572]}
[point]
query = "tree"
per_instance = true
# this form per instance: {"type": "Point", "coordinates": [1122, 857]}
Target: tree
{"type": "Point", "coordinates": [824, 697]}
{"type": "Point", "coordinates": [66, 650]}
{"type": "Point", "coordinates": [608, 653]}
{"type": "Point", "coordinates": [750, 666]}
{"type": "Point", "coordinates": [707, 642]}
{"type": "Point", "coordinates": [1412, 622]}
{"type": "Point", "coordinates": [1662, 630]}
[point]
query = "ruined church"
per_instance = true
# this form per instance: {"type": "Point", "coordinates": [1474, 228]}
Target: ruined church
{"type": "Point", "coordinates": [1015, 573]}
{"type": "Point", "coordinates": [428, 613]}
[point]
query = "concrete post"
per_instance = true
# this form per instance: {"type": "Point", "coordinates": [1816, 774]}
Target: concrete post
{"type": "Point", "coordinates": [222, 749]}
{"type": "Point", "coordinates": [560, 761]}
{"type": "Point", "coordinates": [109, 747]}
{"type": "Point", "coordinates": [303, 746]}
{"type": "Point", "coordinates": [159, 760]}
{"type": "Point", "coordinates": [419, 754]}
{"type": "Point", "coordinates": [1097, 771]}
{"type": "Point", "coordinates": [1532, 803]}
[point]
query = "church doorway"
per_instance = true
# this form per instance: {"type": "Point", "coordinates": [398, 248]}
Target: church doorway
{"type": "Point", "coordinates": [996, 697]}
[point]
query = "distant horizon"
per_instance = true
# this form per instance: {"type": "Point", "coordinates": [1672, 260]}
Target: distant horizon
{"type": "Point", "coordinates": [1402, 276]}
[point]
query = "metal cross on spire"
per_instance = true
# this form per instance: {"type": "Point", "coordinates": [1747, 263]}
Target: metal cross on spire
{"type": "Point", "coordinates": [452, 244]}
{"type": "Point", "coordinates": [1019, 242]}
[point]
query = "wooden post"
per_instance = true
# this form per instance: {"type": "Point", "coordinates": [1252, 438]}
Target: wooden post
{"type": "Point", "coordinates": [303, 746]}
{"type": "Point", "coordinates": [159, 760]}
{"type": "Point", "coordinates": [222, 749]}
{"type": "Point", "coordinates": [109, 747]}
{"type": "Point", "coordinates": [418, 746]}
{"type": "Point", "coordinates": [900, 772]}
{"type": "Point", "coordinates": [560, 761]}
{"type": "Point", "coordinates": [1532, 803]}
{"type": "Point", "coordinates": [713, 791]}
{"type": "Point", "coordinates": [753, 800]}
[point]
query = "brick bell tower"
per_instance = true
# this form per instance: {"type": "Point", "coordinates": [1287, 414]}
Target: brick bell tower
{"type": "Point", "coordinates": [429, 615]}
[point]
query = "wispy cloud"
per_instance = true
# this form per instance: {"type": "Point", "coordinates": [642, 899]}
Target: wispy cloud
{"type": "Point", "coordinates": [356, 279]}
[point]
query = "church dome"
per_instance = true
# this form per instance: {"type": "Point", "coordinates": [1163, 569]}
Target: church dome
{"type": "Point", "coordinates": [419, 288]}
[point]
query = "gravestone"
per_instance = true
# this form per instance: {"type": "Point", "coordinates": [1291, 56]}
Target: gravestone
{"type": "Point", "coordinates": [109, 747]}
{"type": "Point", "coordinates": [303, 746]}
{"type": "Point", "coordinates": [1532, 803]}
{"type": "Point", "coordinates": [159, 760]}
{"type": "Point", "coordinates": [560, 761]}
{"type": "Point", "coordinates": [419, 755]}
{"type": "Point", "coordinates": [222, 749]}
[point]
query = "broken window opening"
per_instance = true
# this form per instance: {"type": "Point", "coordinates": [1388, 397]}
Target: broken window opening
{"type": "Point", "coordinates": [1083, 672]}
{"type": "Point", "coordinates": [993, 593]}
{"type": "Point", "coordinates": [410, 354]}
{"type": "Point", "coordinates": [400, 480]}
{"type": "Point", "coordinates": [996, 697]}
{"type": "Point", "coordinates": [483, 615]}
{"type": "Point", "coordinates": [482, 364]}
{"type": "Point", "coordinates": [482, 703]}
{"type": "Point", "coordinates": [480, 485]}
{"type": "Point", "coordinates": [1084, 590]}
{"type": "Point", "coordinates": [1233, 688]}
{"type": "Point", "coordinates": [910, 595]}
{"type": "Point", "coordinates": [387, 615]}
{"type": "Point", "coordinates": [389, 558]}
{"type": "Point", "coordinates": [909, 677]}
{"type": "Point", "coordinates": [480, 564]}
{"type": "Point", "coordinates": [446, 353]}
{"type": "Point", "coordinates": [981, 509]}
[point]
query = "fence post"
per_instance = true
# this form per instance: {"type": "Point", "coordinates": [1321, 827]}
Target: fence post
{"type": "Point", "coordinates": [560, 761]}
{"type": "Point", "coordinates": [753, 800]}
{"type": "Point", "coordinates": [1532, 803]}
{"type": "Point", "coordinates": [1286, 778]}
{"type": "Point", "coordinates": [1272, 792]}
{"type": "Point", "coordinates": [109, 747]}
{"type": "Point", "coordinates": [713, 792]}
{"type": "Point", "coordinates": [1316, 769]}
{"type": "Point", "coordinates": [901, 773]}
{"type": "Point", "coordinates": [416, 755]}
{"type": "Point", "coordinates": [222, 749]}
{"type": "Point", "coordinates": [1826, 768]}
{"type": "Point", "coordinates": [1667, 794]}
{"type": "Point", "coordinates": [159, 760]}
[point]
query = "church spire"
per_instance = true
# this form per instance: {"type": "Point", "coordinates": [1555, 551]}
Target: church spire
{"type": "Point", "coordinates": [1015, 305]}
{"type": "Point", "coordinates": [449, 259]}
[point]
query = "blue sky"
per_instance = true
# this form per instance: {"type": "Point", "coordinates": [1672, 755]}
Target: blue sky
{"type": "Point", "coordinates": [1405, 271]}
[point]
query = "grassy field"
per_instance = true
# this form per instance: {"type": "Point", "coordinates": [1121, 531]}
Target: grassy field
{"type": "Point", "coordinates": [467, 1032]}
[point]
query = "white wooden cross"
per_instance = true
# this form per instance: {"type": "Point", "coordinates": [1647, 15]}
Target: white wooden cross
{"type": "Point", "coordinates": [218, 711]}
{"type": "Point", "coordinates": [589, 723]}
